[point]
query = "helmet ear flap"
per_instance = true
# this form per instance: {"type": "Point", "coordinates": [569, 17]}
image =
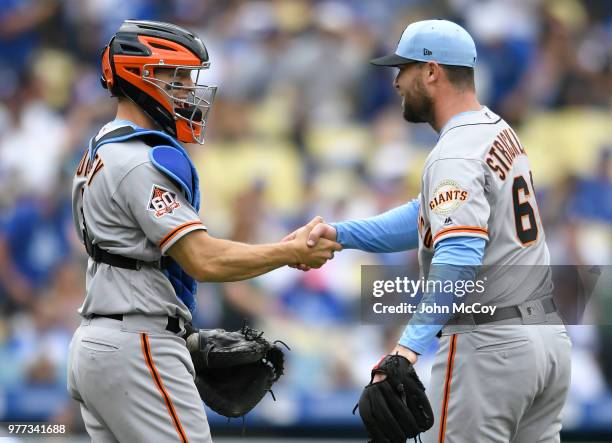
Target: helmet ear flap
{"type": "Point", "coordinates": [108, 76]}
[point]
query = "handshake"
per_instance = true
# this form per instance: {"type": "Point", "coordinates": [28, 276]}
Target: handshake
{"type": "Point", "coordinates": [314, 244]}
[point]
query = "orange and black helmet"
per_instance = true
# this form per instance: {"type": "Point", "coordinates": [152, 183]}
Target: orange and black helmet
{"type": "Point", "coordinates": [176, 101]}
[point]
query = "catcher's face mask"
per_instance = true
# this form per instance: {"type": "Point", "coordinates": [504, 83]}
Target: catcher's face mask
{"type": "Point", "coordinates": [159, 66]}
{"type": "Point", "coordinates": [189, 98]}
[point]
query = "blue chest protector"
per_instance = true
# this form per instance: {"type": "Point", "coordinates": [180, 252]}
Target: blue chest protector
{"type": "Point", "coordinates": [170, 158]}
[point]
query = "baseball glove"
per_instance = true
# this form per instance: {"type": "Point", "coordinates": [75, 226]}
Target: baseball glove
{"type": "Point", "coordinates": [234, 369]}
{"type": "Point", "coordinates": [396, 408]}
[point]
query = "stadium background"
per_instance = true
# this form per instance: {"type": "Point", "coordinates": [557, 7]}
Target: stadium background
{"type": "Point", "coordinates": [302, 125]}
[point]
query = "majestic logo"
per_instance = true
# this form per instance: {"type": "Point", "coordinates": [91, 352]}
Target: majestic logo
{"type": "Point", "coordinates": [162, 201]}
{"type": "Point", "coordinates": [448, 221]}
{"type": "Point", "coordinates": [447, 197]}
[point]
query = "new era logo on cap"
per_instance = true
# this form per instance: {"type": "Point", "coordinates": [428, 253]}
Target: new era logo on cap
{"type": "Point", "coordinates": [440, 41]}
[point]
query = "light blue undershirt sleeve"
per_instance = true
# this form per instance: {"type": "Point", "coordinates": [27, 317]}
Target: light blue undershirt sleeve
{"type": "Point", "coordinates": [393, 231]}
{"type": "Point", "coordinates": [455, 258]}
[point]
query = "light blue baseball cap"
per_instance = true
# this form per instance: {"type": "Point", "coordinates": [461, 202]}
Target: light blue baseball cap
{"type": "Point", "coordinates": [438, 41]}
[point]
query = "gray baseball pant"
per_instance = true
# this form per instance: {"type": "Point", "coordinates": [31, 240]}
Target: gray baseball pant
{"type": "Point", "coordinates": [135, 382]}
{"type": "Point", "coordinates": [500, 384]}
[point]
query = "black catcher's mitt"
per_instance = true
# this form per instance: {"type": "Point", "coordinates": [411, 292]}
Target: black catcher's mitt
{"type": "Point", "coordinates": [234, 369]}
{"type": "Point", "coordinates": [396, 408]}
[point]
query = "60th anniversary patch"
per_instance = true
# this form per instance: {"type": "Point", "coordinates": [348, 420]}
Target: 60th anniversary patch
{"type": "Point", "coordinates": [162, 201]}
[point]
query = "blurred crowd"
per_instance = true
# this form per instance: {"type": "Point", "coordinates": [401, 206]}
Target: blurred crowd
{"type": "Point", "coordinates": [302, 126]}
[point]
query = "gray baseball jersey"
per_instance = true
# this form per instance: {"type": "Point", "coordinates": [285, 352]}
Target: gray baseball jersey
{"type": "Point", "coordinates": [477, 182]}
{"type": "Point", "coordinates": [134, 210]}
{"type": "Point", "coordinates": [133, 378]}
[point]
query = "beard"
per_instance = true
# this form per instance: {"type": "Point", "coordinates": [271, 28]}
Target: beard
{"type": "Point", "coordinates": [418, 105]}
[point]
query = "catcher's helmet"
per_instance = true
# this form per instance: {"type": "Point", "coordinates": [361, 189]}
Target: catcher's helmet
{"type": "Point", "coordinates": [137, 52]}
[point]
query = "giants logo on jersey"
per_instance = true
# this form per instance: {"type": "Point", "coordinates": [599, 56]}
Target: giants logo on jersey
{"type": "Point", "coordinates": [162, 201]}
{"type": "Point", "coordinates": [447, 197]}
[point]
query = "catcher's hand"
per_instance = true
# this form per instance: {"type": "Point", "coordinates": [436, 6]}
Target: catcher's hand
{"type": "Point", "coordinates": [396, 408]}
{"type": "Point", "coordinates": [234, 370]}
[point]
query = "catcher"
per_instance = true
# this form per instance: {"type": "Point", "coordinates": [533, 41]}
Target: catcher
{"type": "Point", "coordinates": [135, 207]}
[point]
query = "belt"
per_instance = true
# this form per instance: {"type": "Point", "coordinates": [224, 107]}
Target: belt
{"type": "Point", "coordinates": [510, 312]}
{"type": "Point", "coordinates": [173, 325]}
